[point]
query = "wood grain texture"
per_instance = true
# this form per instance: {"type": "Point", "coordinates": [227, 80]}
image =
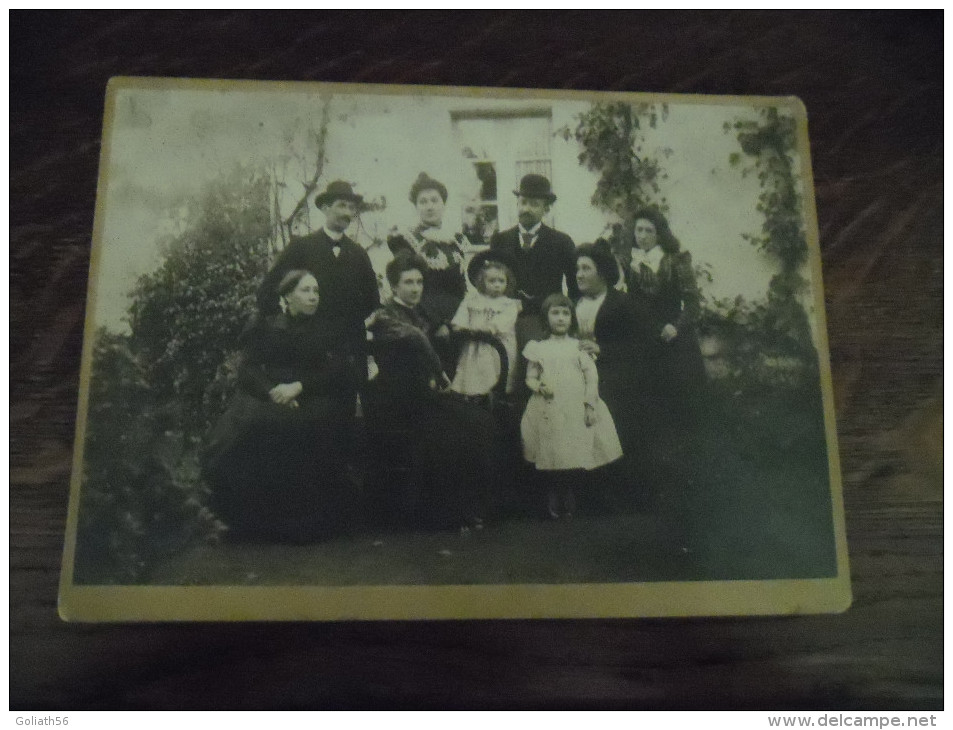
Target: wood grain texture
{"type": "Point", "coordinates": [872, 84]}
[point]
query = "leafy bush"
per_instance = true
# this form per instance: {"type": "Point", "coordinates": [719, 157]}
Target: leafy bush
{"type": "Point", "coordinates": [757, 344]}
{"type": "Point", "coordinates": [155, 393]}
{"type": "Point", "coordinates": [141, 497]}
{"type": "Point", "coordinates": [187, 316]}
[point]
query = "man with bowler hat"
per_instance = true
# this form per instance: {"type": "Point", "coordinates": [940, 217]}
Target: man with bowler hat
{"type": "Point", "coordinates": [541, 255]}
{"type": "Point", "coordinates": [347, 284]}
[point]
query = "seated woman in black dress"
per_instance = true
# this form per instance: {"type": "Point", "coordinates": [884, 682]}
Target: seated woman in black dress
{"type": "Point", "coordinates": [442, 446]}
{"type": "Point", "coordinates": [276, 459]}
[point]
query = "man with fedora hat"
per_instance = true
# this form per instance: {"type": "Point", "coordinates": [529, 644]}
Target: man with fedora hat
{"type": "Point", "coordinates": [346, 280]}
{"type": "Point", "coordinates": [541, 256]}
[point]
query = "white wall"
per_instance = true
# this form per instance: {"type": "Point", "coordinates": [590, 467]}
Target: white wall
{"type": "Point", "coordinates": [711, 204]}
{"type": "Point", "coordinates": [166, 144]}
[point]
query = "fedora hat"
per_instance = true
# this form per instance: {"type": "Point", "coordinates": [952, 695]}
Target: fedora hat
{"type": "Point", "coordinates": [536, 186]}
{"type": "Point", "coordinates": [338, 190]}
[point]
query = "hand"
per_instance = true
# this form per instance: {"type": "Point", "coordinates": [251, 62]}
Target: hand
{"type": "Point", "coordinates": [591, 416]}
{"type": "Point", "coordinates": [589, 346]}
{"type": "Point", "coordinates": [372, 369]}
{"type": "Point", "coordinates": [442, 331]}
{"type": "Point", "coordinates": [545, 391]}
{"type": "Point", "coordinates": [285, 393]}
{"type": "Point", "coordinates": [669, 333]}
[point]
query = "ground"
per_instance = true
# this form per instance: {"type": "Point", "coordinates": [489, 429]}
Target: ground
{"type": "Point", "coordinates": [748, 498]}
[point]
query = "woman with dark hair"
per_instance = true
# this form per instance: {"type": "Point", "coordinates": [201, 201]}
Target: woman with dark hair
{"type": "Point", "coordinates": [661, 282]}
{"type": "Point", "coordinates": [441, 445]}
{"type": "Point", "coordinates": [443, 251]}
{"type": "Point", "coordinates": [608, 328]}
{"type": "Point", "coordinates": [275, 462]}
{"type": "Point", "coordinates": [610, 331]}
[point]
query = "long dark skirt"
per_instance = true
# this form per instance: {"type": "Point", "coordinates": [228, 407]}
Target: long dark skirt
{"type": "Point", "coordinates": [624, 484]}
{"type": "Point", "coordinates": [279, 474]}
{"type": "Point", "coordinates": [435, 465]}
{"type": "Point", "coordinates": [671, 400]}
{"type": "Point", "coordinates": [680, 378]}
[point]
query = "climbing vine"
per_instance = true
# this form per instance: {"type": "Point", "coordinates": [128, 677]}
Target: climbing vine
{"type": "Point", "coordinates": [771, 142]}
{"type": "Point", "coordinates": [613, 142]}
{"type": "Point", "coordinates": [776, 329]}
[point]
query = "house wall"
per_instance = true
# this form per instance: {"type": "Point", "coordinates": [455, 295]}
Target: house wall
{"type": "Point", "coordinates": [166, 145]}
{"type": "Point", "coordinates": [710, 203]}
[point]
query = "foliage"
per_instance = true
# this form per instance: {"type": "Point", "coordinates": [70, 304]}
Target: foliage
{"type": "Point", "coordinates": [156, 392]}
{"type": "Point", "coordinates": [771, 142]}
{"type": "Point", "coordinates": [756, 344]}
{"type": "Point", "coordinates": [141, 496]}
{"type": "Point", "coordinates": [612, 139]}
{"type": "Point", "coordinates": [187, 316]}
{"type": "Point", "coordinates": [769, 341]}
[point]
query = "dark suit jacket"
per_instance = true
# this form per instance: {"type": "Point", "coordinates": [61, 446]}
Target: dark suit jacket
{"type": "Point", "coordinates": [539, 270]}
{"type": "Point", "coordinates": [347, 283]}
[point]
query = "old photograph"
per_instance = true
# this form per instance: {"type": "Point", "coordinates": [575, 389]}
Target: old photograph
{"type": "Point", "coordinates": [344, 338]}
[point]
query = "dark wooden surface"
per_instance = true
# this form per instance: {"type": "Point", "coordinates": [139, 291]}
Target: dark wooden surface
{"type": "Point", "coordinates": [872, 84]}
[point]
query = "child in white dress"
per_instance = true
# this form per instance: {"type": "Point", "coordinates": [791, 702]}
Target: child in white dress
{"type": "Point", "coordinates": [566, 427]}
{"type": "Point", "coordinates": [488, 309]}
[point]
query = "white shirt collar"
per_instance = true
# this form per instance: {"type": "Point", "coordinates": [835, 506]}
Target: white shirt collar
{"type": "Point", "coordinates": [333, 235]}
{"type": "Point", "coordinates": [651, 258]}
{"type": "Point", "coordinates": [534, 231]}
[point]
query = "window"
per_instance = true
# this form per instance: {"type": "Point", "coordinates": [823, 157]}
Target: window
{"type": "Point", "coordinates": [497, 149]}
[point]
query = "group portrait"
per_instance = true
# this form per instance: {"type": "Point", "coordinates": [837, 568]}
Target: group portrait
{"type": "Point", "coordinates": [348, 337]}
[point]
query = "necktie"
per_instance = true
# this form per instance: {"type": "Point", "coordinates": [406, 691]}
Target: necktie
{"type": "Point", "coordinates": [527, 239]}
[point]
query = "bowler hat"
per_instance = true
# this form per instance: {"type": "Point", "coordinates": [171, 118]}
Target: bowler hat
{"type": "Point", "coordinates": [338, 190]}
{"type": "Point", "coordinates": [536, 186]}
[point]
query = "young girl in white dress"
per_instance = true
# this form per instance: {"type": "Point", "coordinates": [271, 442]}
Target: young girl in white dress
{"type": "Point", "coordinates": [566, 427]}
{"type": "Point", "coordinates": [488, 309]}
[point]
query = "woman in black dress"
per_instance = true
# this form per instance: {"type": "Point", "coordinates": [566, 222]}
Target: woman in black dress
{"type": "Point", "coordinates": [611, 331]}
{"type": "Point", "coordinates": [662, 284]}
{"type": "Point", "coordinates": [276, 461]}
{"type": "Point", "coordinates": [445, 467]}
